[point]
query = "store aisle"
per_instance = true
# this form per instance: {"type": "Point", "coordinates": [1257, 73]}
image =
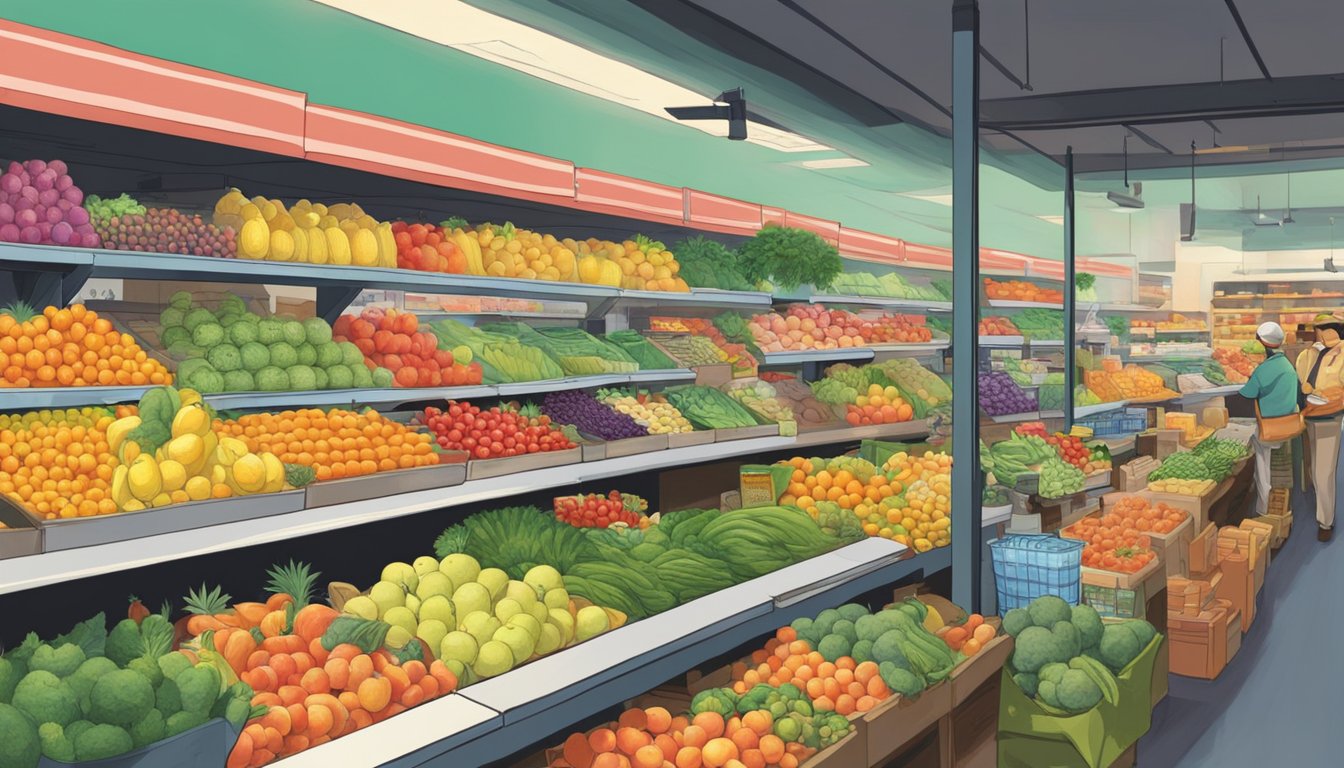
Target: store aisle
{"type": "Point", "coordinates": [1277, 703]}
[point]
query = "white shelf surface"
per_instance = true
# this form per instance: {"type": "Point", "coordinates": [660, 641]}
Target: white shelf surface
{"type": "Point", "coordinates": [1079, 411]}
{"type": "Point", "coordinates": [818, 356]}
{"type": "Point", "coordinates": [1047, 343]}
{"type": "Point", "coordinates": [33, 571]}
{"type": "Point", "coordinates": [1002, 342]}
{"type": "Point", "coordinates": [1011, 304]}
{"type": "Point", "coordinates": [1205, 394]}
{"type": "Point", "coordinates": [883, 302]}
{"type": "Point", "coordinates": [886, 351]}
{"type": "Point", "coordinates": [69, 397]}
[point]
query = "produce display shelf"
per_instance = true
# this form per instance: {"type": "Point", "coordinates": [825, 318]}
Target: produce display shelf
{"type": "Point", "coordinates": [1011, 304]}
{"type": "Point", "coordinates": [1054, 414]}
{"type": "Point", "coordinates": [883, 302]}
{"type": "Point", "coordinates": [548, 695]}
{"type": "Point", "coordinates": [887, 351]}
{"type": "Point", "coordinates": [818, 356]}
{"type": "Point", "coordinates": [1116, 307]}
{"type": "Point", "coordinates": [1080, 411]}
{"type": "Point", "coordinates": [1205, 394]}
{"type": "Point", "coordinates": [72, 397]}
{"type": "Point", "coordinates": [1002, 341]}
{"type": "Point", "coordinates": [1047, 343]}
{"type": "Point", "coordinates": [1177, 331]}
{"type": "Point", "coordinates": [85, 263]}
{"type": "Point", "coordinates": [1016, 418]}
{"type": "Point", "coordinates": [898, 430]}
{"type": "Point", "coordinates": [32, 571]}
{"type": "Point", "coordinates": [995, 515]}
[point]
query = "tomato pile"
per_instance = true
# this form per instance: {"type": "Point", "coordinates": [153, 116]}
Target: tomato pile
{"type": "Point", "coordinates": [428, 248]}
{"type": "Point", "coordinates": [1118, 540]}
{"type": "Point", "coordinates": [492, 433]}
{"type": "Point", "coordinates": [393, 340]}
{"type": "Point", "coordinates": [597, 511]}
{"type": "Point", "coordinates": [1071, 449]}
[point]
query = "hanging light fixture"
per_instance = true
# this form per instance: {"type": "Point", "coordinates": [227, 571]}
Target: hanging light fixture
{"type": "Point", "coordinates": [1125, 202]}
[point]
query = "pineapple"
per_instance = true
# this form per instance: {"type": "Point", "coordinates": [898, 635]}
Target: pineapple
{"type": "Point", "coordinates": [207, 602]}
{"type": "Point", "coordinates": [21, 311]}
{"type": "Point", "coordinates": [295, 579]}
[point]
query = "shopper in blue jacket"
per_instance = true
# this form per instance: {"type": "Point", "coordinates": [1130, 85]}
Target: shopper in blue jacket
{"type": "Point", "coordinates": [1274, 386]}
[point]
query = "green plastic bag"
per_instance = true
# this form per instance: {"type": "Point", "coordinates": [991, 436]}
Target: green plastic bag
{"type": "Point", "coordinates": [1030, 736]}
{"type": "Point", "coordinates": [878, 451]}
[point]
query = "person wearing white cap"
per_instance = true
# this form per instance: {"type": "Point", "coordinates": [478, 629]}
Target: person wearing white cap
{"type": "Point", "coordinates": [1274, 387]}
{"type": "Point", "coordinates": [1321, 369]}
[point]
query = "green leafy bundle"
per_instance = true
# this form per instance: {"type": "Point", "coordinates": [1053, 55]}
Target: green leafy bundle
{"type": "Point", "coordinates": [789, 257]}
{"type": "Point", "coordinates": [706, 263]}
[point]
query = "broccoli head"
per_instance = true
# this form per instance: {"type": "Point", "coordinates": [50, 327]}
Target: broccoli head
{"type": "Point", "coordinates": [833, 646]}
{"type": "Point", "coordinates": [900, 679]}
{"type": "Point", "coordinates": [755, 699]}
{"type": "Point", "coordinates": [890, 647]}
{"type": "Point", "coordinates": [1068, 640]}
{"type": "Point", "coordinates": [1048, 610]}
{"type": "Point", "coordinates": [21, 745]}
{"type": "Point", "coordinates": [845, 628]}
{"type": "Point", "coordinates": [1035, 648]}
{"type": "Point", "coordinates": [868, 628]}
{"type": "Point", "coordinates": [45, 698]}
{"type": "Point", "coordinates": [1118, 646]}
{"type": "Point", "coordinates": [1045, 691]}
{"type": "Point", "coordinates": [1142, 630]}
{"type": "Point", "coordinates": [60, 661]}
{"type": "Point", "coordinates": [1016, 620]}
{"type": "Point", "coordinates": [1076, 692]}
{"type": "Point", "coordinates": [1088, 623]}
{"type": "Point", "coordinates": [102, 741]}
{"type": "Point", "coordinates": [852, 611]}
{"type": "Point", "coordinates": [862, 651]}
{"type": "Point", "coordinates": [121, 698]}
{"type": "Point", "coordinates": [720, 700]}
{"type": "Point", "coordinates": [1027, 682]}
{"type": "Point", "coordinates": [1054, 671]}
{"type": "Point", "coordinates": [55, 744]}
{"type": "Point", "coordinates": [824, 621]}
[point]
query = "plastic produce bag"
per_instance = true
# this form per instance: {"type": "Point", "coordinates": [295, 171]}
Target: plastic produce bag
{"type": "Point", "coordinates": [1031, 736]}
{"type": "Point", "coordinates": [205, 746]}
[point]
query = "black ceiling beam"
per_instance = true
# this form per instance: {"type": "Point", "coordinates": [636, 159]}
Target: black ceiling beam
{"type": "Point", "coordinates": [1284, 96]}
{"type": "Point", "coordinates": [1148, 139]}
{"type": "Point", "coordinates": [1246, 36]}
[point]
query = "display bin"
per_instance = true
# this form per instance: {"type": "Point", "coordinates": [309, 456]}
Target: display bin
{"type": "Point", "coordinates": [744, 433]}
{"type": "Point", "coordinates": [1197, 506]}
{"type": "Point", "coordinates": [382, 484]}
{"type": "Point", "coordinates": [1203, 553]}
{"type": "Point", "coordinates": [1237, 586]}
{"type": "Point", "coordinates": [1202, 645]}
{"type": "Point", "coordinates": [20, 536]}
{"type": "Point", "coordinates": [1123, 595]}
{"type": "Point", "coordinates": [847, 752]}
{"type": "Point", "coordinates": [205, 746]}
{"type": "Point", "coordinates": [1172, 547]}
{"type": "Point", "coordinates": [688, 439]}
{"type": "Point", "coordinates": [898, 720]}
{"type": "Point", "coordinates": [596, 449]}
{"type": "Point", "coordinates": [123, 526]}
{"type": "Point", "coordinates": [479, 470]}
{"type": "Point", "coordinates": [1027, 566]}
{"type": "Point", "coordinates": [1031, 736]}
{"type": "Point", "coordinates": [1117, 423]}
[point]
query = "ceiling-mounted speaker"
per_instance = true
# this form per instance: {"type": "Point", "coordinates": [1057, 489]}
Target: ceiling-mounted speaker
{"type": "Point", "coordinates": [1187, 222]}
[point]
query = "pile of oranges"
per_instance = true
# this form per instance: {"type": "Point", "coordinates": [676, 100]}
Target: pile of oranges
{"type": "Point", "coordinates": [653, 738]}
{"type": "Point", "coordinates": [336, 443]}
{"type": "Point", "coordinates": [843, 687]}
{"type": "Point", "coordinates": [57, 463]}
{"type": "Point", "coordinates": [70, 347]}
{"type": "Point", "coordinates": [907, 500]}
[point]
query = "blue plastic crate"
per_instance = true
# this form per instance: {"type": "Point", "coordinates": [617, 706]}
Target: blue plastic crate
{"type": "Point", "coordinates": [1125, 421]}
{"type": "Point", "coordinates": [1028, 566]}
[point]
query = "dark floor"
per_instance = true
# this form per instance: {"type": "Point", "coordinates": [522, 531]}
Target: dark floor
{"type": "Point", "coordinates": [1278, 701]}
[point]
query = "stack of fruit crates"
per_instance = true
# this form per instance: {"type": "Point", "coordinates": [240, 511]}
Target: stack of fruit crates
{"type": "Point", "coordinates": [1281, 467]}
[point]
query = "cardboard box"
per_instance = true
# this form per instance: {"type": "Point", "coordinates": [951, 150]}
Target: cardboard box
{"type": "Point", "coordinates": [1200, 644]}
{"type": "Point", "coordinates": [1203, 551]}
{"type": "Point", "coordinates": [1238, 586]}
{"type": "Point", "coordinates": [1133, 476]}
{"type": "Point", "coordinates": [1123, 595]}
{"type": "Point", "coordinates": [1191, 597]}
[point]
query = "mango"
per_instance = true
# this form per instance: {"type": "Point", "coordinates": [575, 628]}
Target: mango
{"type": "Point", "coordinates": [144, 478]}
{"type": "Point", "coordinates": [191, 420]}
{"type": "Point", "coordinates": [249, 472]}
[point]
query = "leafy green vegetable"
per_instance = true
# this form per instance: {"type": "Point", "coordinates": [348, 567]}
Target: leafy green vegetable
{"type": "Point", "coordinates": [789, 257]}
{"type": "Point", "coordinates": [707, 263]}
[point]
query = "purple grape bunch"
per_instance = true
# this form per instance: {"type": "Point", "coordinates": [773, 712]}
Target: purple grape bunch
{"type": "Point", "coordinates": [581, 410]}
{"type": "Point", "coordinates": [167, 230]}
{"type": "Point", "coordinates": [40, 204]}
{"type": "Point", "coordinates": [1000, 395]}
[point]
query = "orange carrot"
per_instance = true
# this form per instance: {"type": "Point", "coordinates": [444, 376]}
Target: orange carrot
{"type": "Point", "coordinates": [257, 659]}
{"type": "Point", "coordinates": [298, 718]}
{"type": "Point", "coordinates": [278, 601]}
{"type": "Point", "coordinates": [250, 614]}
{"type": "Point", "coordinates": [349, 699]}
{"type": "Point", "coordinates": [277, 718]}
{"type": "Point", "coordinates": [242, 752]}
{"type": "Point", "coordinates": [312, 620]}
{"type": "Point", "coordinates": [338, 672]}
{"type": "Point", "coordinates": [295, 742]}
{"type": "Point", "coordinates": [414, 670]}
{"type": "Point", "coordinates": [319, 653]}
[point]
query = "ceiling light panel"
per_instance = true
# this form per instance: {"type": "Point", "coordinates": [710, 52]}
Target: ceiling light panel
{"type": "Point", "coordinates": [468, 29]}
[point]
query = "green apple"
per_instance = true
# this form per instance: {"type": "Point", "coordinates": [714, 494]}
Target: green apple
{"type": "Point", "coordinates": [424, 564]}
{"type": "Point", "coordinates": [432, 632]}
{"type": "Point", "coordinates": [544, 578]}
{"type": "Point", "coordinates": [471, 597]}
{"type": "Point", "coordinates": [495, 581]}
{"type": "Point", "coordinates": [480, 625]}
{"type": "Point", "coordinates": [401, 616]}
{"type": "Point", "coordinates": [361, 606]}
{"type": "Point", "coordinates": [434, 583]}
{"type": "Point", "coordinates": [460, 568]}
{"type": "Point", "coordinates": [590, 622]}
{"type": "Point", "coordinates": [539, 612]}
{"type": "Point", "coordinates": [401, 573]}
{"type": "Point", "coordinates": [461, 670]}
{"type": "Point", "coordinates": [386, 595]}
{"type": "Point", "coordinates": [494, 658]}
{"type": "Point", "coordinates": [518, 639]}
{"type": "Point", "coordinates": [438, 608]}
{"type": "Point", "coordinates": [556, 598]}
{"type": "Point", "coordinates": [459, 646]}
{"type": "Point", "coordinates": [397, 636]}
{"type": "Point", "coordinates": [522, 592]}
{"type": "Point", "coordinates": [549, 641]}
{"type": "Point", "coordinates": [563, 621]}
{"type": "Point", "coordinates": [528, 622]}
{"type": "Point", "coordinates": [507, 608]}
{"type": "Point", "coordinates": [413, 603]}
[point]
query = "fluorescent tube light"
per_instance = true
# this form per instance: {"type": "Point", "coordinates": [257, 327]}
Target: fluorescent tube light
{"type": "Point", "coordinates": [944, 199]}
{"type": "Point", "coordinates": [1124, 200]}
{"type": "Point", "coordinates": [835, 162]}
{"type": "Point", "coordinates": [1057, 220]}
{"type": "Point", "coordinates": [508, 43]}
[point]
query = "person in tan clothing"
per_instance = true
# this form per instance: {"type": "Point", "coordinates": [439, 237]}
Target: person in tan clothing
{"type": "Point", "coordinates": [1320, 368]}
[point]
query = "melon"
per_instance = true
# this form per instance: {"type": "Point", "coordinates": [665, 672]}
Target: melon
{"type": "Point", "coordinates": [254, 240]}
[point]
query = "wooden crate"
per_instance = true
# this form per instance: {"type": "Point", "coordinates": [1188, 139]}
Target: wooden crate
{"type": "Point", "coordinates": [890, 726]}
{"type": "Point", "coordinates": [1123, 595]}
{"type": "Point", "coordinates": [973, 727]}
{"type": "Point", "coordinates": [1173, 547]}
{"type": "Point", "coordinates": [847, 752]}
{"type": "Point", "coordinates": [1203, 551]}
{"type": "Point", "coordinates": [927, 749]}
